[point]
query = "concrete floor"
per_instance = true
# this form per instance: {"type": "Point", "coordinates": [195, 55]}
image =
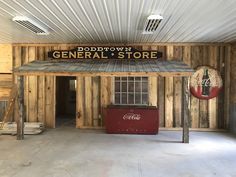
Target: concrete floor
{"type": "Point", "coordinates": [69, 152]}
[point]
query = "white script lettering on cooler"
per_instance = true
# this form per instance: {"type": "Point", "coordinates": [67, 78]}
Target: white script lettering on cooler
{"type": "Point", "coordinates": [131, 116]}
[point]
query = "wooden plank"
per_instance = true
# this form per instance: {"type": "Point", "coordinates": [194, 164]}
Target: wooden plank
{"type": "Point", "coordinates": [152, 91]}
{"type": "Point", "coordinates": [221, 69]}
{"type": "Point", "coordinates": [4, 93]}
{"type": "Point", "coordinates": [50, 101]}
{"type": "Point", "coordinates": [169, 101]}
{"type": "Point", "coordinates": [104, 96]}
{"type": "Point", "coordinates": [6, 61]}
{"type": "Point", "coordinates": [170, 52]}
{"type": "Point", "coordinates": [80, 102]}
{"type": "Point", "coordinates": [50, 97]}
{"type": "Point", "coordinates": [110, 90]}
{"type": "Point", "coordinates": [32, 90]}
{"type": "Point", "coordinates": [96, 99]}
{"type": "Point", "coordinates": [20, 120]}
{"type": "Point", "coordinates": [6, 78]}
{"type": "Point", "coordinates": [88, 102]}
{"type": "Point", "coordinates": [195, 62]}
{"type": "Point", "coordinates": [177, 102]}
{"type": "Point", "coordinates": [227, 83]}
{"type": "Point", "coordinates": [161, 100]}
{"type": "Point", "coordinates": [187, 55]}
{"type": "Point", "coordinates": [169, 92]}
{"type": "Point", "coordinates": [41, 88]}
{"type": "Point", "coordinates": [178, 53]}
{"type": "Point", "coordinates": [213, 103]}
{"type": "Point", "coordinates": [24, 60]}
{"type": "Point", "coordinates": [162, 49]}
{"type": "Point", "coordinates": [233, 76]}
{"type": "Point", "coordinates": [185, 112]}
{"type": "Point", "coordinates": [40, 53]}
{"type": "Point", "coordinates": [203, 104]}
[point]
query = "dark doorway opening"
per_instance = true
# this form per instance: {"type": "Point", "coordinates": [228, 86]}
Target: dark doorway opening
{"type": "Point", "coordinates": [65, 101]}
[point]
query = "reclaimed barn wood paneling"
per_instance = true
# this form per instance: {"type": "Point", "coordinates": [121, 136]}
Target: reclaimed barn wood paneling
{"type": "Point", "coordinates": [5, 58]}
{"type": "Point", "coordinates": [95, 93]}
{"type": "Point", "coordinates": [232, 63]}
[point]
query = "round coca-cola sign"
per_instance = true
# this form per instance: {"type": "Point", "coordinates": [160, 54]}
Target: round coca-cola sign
{"type": "Point", "coordinates": [205, 83]}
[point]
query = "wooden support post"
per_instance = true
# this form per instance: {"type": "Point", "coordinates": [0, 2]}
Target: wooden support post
{"type": "Point", "coordinates": [20, 119]}
{"type": "Point", "coordinates": [185, 110]}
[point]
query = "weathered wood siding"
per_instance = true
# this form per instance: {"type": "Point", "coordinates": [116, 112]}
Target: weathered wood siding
{"type": "Point", "coordinates": [95, 93]}
{"type": "Point", "coordinates": [232, 97]}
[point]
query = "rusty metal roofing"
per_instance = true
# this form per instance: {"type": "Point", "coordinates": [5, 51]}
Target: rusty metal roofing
{"type": "Point", "coordinates": [110, 67]}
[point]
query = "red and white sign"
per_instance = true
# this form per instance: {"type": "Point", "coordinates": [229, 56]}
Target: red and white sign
{"type": "Point", "coordinates": [205, 83]}
{"type": "Point", "coordinates": [131, 116]}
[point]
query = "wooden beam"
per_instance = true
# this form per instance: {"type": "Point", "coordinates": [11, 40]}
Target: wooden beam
{"type": "Point", "coordinates": [185, 111]}
{"type": "Point", "coordinates": [20, 120]}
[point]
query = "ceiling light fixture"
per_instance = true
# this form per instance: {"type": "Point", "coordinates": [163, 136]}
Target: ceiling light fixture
{"type": "Point", "coordinates": [151, 23]}
{"type": "Point", "coordinates": [30, 25]}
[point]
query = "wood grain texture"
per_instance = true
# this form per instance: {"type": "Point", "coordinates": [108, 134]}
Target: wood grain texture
{"type": "Point", "coordinates": [80, 102]}
{"type": "Point", "coordinates": [185, 112]}
{"type": "Point", "coordinates": [177, 110]}
{"type": "Point", "coordinates": [152, 91]}
{"type": "Point", "coordinates": [104, 96]}
{"type": "Point", "coordinates": [6, 61]}
{"type": "Point", "coordinates": [195, 62]}
{"type": "Point", "coordinates": [32, 90]}
{"type": "Point", "coordinates": [169, 81]}
{"type": "Point", "coordinates": [41, 88]}
{"type": "Point", "coordinates": [88, 101]}
{"type": "Point", "coordinates": [227, 81]}
{"type": "Point", "coordinates": [192, 54]}
{"type": "Point", "coordinates": [95, 101]}
{"type": "Point", "coordinates": [50, 101]}
{"type": "Point", "coordinates": [213, 103]}
{"type": "Point", "coordinates": [161, 101]}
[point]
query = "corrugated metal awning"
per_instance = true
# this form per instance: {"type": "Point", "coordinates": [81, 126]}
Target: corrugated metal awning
{"type": "Point", "coordinates": [110, 67]}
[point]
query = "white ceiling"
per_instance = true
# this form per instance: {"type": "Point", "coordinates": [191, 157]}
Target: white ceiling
{"type": "Point", "coordinates": [120, 21]}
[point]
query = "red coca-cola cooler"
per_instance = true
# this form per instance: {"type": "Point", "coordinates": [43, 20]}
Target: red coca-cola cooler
{"type": "Point", "coordinates": [131, 119]}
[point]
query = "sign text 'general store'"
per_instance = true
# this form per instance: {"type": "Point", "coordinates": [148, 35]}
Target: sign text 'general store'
{"type": "Point", "coordinates": [104, 53]}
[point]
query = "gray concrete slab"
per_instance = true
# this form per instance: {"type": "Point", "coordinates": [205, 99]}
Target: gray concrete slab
{"type": "Point", "coordinates": [69, 152]}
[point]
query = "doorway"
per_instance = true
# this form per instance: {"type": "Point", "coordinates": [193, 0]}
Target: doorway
{"type": "Point", "coordinates": [65, 101]}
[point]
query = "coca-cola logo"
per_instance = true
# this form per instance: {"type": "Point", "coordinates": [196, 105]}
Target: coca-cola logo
{"type": "Point", "coordinates": [132, 116]}
{"type": "Point", "coordinates": [205, 83]}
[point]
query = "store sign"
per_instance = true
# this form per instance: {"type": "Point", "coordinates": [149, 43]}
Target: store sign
{"type": "Point", "coordinates": [205, 83]}
{"type": "Point", "coordinates": [104, 53]}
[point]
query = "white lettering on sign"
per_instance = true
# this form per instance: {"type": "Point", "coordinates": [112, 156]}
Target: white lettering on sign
{"type": "Point", "coordinates": [132, 116]}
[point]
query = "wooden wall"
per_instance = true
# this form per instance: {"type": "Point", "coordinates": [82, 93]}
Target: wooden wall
{"type": "Point", "coordinates": [233, 90]}
{"type": "Point", "coordinates": [95, 93]}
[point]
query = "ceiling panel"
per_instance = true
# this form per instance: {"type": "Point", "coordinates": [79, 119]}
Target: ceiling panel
{"type": "Point", "coordinates": [119, 21]}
